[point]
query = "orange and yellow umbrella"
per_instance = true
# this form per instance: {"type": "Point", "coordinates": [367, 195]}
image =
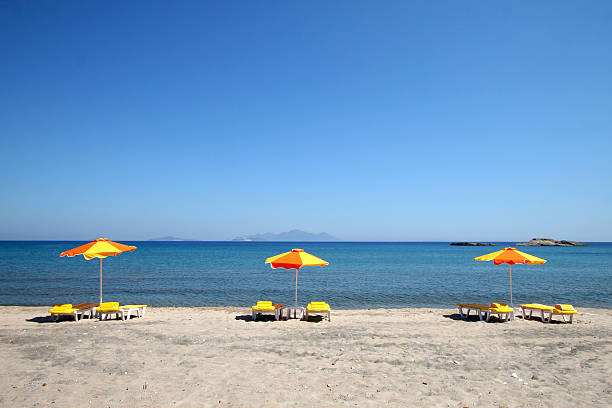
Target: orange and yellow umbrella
{"type": "Point", "coordinates": [99, 248]}
{"type": "Point", "coordinates": [295, 260]}
{"type": "Point", "coordinates": [511, 256]}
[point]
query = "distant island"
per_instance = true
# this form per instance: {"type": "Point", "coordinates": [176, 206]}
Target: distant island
{"type": "Point", "coordinates": [170, 239]}
{"type": "Point", "coordinates": [549, 242]}
{"type": "Point", "coordinates": [293, 235]}
{"type": "Point", "coordinates": [473, 244]}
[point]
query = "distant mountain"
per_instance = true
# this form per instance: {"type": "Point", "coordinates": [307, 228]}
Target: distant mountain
{"type": "Point", "coordinates": [293, 235]}
{"type": "Point", "coordinates": [170, 239]}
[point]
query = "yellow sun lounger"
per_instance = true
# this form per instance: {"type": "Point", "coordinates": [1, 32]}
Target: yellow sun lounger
{"type": "Point", "coordinates": [318, 308]}
{"type": "Point", "coordinates": [547, 312]}
{"type": "Point", "coordinates": [77, 310]}
{"type": "Point", "coordinates": [485, 312]}
{"type": "Point", "coordinates": [266, 306]}
{"type": "Point", "coordinates": [501, 309]}
{"type": "Point", "coordinates": [124, 312]}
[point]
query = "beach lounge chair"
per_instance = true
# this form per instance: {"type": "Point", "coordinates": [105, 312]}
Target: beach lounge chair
{"type": "Point", "coordinates": [78, 310]}
{"type": "Point", "coordinates": [137, 310]}
{"type": "Point", "coordinates": [267, 307]}
{"type": "Point", "coordinates": [485, 312]}
{"type": "Point", "coordinates": [124, 312]}
{"type": "Point", "coordinates": [482, 310]}
{"type": "Point", "coordinates": [546, 312]}
{"type": "Point", "coordinates": [318, 308]}
{"type": "Point", "coordinates": [501, 309]}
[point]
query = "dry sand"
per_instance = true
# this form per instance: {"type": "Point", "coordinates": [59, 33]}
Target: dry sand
{"type": "Point", "coordinates": [218, 357]}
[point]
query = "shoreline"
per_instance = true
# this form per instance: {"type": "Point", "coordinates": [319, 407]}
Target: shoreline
{"type": "Point", "coordinates": [248, 307]}
{"type": "Point", "coordinates": [219, 357]}
{"type": "Point", "coordinates": [205, 307]}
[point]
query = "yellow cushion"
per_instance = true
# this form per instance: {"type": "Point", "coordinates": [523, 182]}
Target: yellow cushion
{"type": "Point", "coordinates": [317, 307]}
{"type": "Point", "coordinates": [474, 306]}
{"type": "Point", "coordinates": [501, 308]}
{"type": "Point", "coordinates": [108, 307]}
{"type": "Point", "coordinates": [564, 309]}
{"type": "Point", "coordinates": [263, 305]}
{"type": "Point", "coordinates": [63, 306]}
{"type": "Point", "coordinates": [132, 306]}
{"type": "Point", "coordinates": [263, 308]}
{"type": "Point", "coordinates": [63, 309]}
{"type": "Point", "coordinates": [536, 306]}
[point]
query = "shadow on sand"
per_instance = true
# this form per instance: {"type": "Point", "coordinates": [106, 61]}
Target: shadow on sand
{"type": "Point", "coordinates": [270, 318]}
{"type": "Point", "coordinates": [262, 318]}
{"type": "Point", "coordinates": [472, 319]}
{"type": "Point", "coordinates": [47, 319]}
{"type": "Point", "coordinates": [51, 319]}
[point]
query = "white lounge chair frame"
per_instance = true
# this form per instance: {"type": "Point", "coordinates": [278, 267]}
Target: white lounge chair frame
{"type": "Point", "coordinates": [75, 314]}
{"type": "Point", "coordinates": [124, 312]}
{"type": "Point", "coordinates": [318, 313]}
{"type": "Point", "coordinates": [546, 315]}
{"type": "Point", "coordinates": [484, 314]}
{"type": "Point", "coordinates": [277, 313]}
{"type": "Point", "coordinates": [480, 312]}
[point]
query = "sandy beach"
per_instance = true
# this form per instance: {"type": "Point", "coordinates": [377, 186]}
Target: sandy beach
{"type": "Point", "coordinates": [219, 357]}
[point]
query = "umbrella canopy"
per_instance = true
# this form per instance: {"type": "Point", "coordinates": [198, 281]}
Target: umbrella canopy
{"type": "Point", "coordinates": [295, 260]}
{"type": "Point", "coordinates": [99, 248]}
{"type": "Point", "coordinates": [511, 256]}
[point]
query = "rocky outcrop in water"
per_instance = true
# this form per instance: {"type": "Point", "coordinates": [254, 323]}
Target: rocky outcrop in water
{"type": "Point", "coordinates": [473, 244]}
{"type": "Point", "coordinates": [549, 242]}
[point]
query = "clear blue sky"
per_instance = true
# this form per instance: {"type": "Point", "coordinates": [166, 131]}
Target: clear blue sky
{"type": "Point", "coordinates": [397, 120]}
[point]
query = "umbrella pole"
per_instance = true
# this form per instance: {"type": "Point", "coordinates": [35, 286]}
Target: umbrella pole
{"type": "Point", "coordinates": [296, 283]}
{"type": "Point", "coordinates": [100, 281]}
{"type": "Point", "coordinates": [511, 303]}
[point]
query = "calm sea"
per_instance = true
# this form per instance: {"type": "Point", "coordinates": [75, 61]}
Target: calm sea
{"type": "Point", "coordinates": [359, 275]}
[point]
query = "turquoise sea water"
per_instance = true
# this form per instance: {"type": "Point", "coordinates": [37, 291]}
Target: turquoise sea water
{"type": "Point", "coordinates": [360, 275]}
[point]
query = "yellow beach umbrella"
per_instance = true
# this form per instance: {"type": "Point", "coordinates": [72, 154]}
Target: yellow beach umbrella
{"type": "Point", "coordinates": [511, 256]}
{"type": "Point", "coordinates": [295, 260]}
{"type": "Point", "coordinates": [99, 248]}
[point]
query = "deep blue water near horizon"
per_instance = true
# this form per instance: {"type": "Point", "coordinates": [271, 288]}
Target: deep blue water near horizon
{"type": "Point", "coordinates": [360, 275]}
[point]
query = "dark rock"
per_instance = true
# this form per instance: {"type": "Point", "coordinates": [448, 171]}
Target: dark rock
{"type": "Point", "coordinates": [549, 242]}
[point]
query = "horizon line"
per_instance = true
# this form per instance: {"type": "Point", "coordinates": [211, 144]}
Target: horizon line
{"type": "Point", "coordinates": [259, 241]}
